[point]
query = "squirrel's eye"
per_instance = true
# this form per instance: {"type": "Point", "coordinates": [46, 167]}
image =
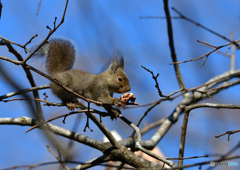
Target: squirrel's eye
{"type": "Point", "coordinates": [120, 79]}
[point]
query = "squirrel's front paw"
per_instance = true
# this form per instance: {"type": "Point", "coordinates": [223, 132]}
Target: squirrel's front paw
{"type": "Point", "coordinates": [118, 102]}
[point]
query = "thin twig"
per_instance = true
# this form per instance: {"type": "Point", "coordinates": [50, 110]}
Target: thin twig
{"type": "Point", "coordinates": [206, 44]}
{"type": "Point", "coordinates": [207, 54]}
{"type": "Point", "coordinates": [228, 133]}
{"type": "Point", "coordinates": [194, 59]}
{"type": "Point", "coordinates": [212, 46]}
{"type": "Point", "coordinates": [217, 106]}
{"type": "Point", "coordinates": [155, 79]}
{"type": "Point", "coordinates": [222, 157]}
{"type": "Point", "coordinates": [136, 129]}
{"type": "Point", "coordinates": [60, 161]}
{"type": "Point", "coordinates": [104, 129]}
{"type": "Point", "coordinates": [217, 88]}
{"type": "Point", "coordinates": [204, 163]}
{"type": "Point", "coordinates": [54, 118]}
{"type": "Point", "coordinates": [30, 79]}
{"type": "Point", "coordinates": [198, 24]}
{"type": "Point", "coordinates": [171, 45]}
{"type": "Point", "coordinates": [201, 88]}
{"type": "Point", "coordinates": [29, 41]}
{"type": "Point", "coordinates": [93, 162]}
{"type": "Point", "coordinates": [189, 99]}
{"type": "Point", "coordinates": [183, 138]}
{"type": "Point", "coordinates": [16, 62]}
{"type": "Point", "coordinates": [87, 123]}
{"type": "Point", "coordinates": [22, 46]}
{"type": "Point", "coordinates": [1, 9]}
{"type": "Point", "coordinates": [39, 5]}
{"type": "Point", "coordinates": [152, 125]}
{"type": "Point", "coordinates": [57, 162]}
{"type": "Point", "coordinates": [49, 34]}
{"type": "Point", "coordinates": [25, 99]}
{"type": "Point", "coordinates": [212, 105]}
{"type": "Point", "coordinates": [174, 93]}
{"type": "Point", "coordinates": [193, 157]}
{"type": "Point", "coordinates": [24, 91]}
{"type": "Point", "coordinates": [170, 163]}
{"type": "Point", "coordinates": [233, 54]}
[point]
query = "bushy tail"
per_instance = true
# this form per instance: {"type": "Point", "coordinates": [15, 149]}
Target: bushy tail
{"type": "Point", "coordinates": [60, 55]}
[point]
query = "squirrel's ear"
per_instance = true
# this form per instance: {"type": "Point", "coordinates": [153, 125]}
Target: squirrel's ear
{"type": "Point", "coordinates": [113, 66]}
{"type": "Point", "coordinates": [118, 62]}
{"type": "Point", "coordinates": [119, 58]}
{"type": "Point", "coordinates": [121, 62]}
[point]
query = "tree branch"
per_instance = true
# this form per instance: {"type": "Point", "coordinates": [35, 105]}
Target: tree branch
{"type": "Point", "coordinates": [27, 121]}
{"type": "Point", "coordinates": [183, 138]}
{"type": "Point", "coordinates": [24, 91]}
{"type": "Point", "coordinates": [171, 45]}
{"type": "Point", "coordinates": [207, 54]}
{"type": "Point", "coordinates": [49, 34]}
{"type": "Point", "coordinates": [59, 159]}
{"type": "Point", "coordinates": [198, 24]}
{"type": "Point", "coordinates": [188, 100]}
{"type": "Point", "coordinates": [30, 79]}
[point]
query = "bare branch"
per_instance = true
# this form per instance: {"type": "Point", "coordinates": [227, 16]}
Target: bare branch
{"type": "Point", "coordinates": [29, 41]}
{"type": "Point", "coordinates": [1, 9]}
{"type": "Point", "coordinates": [198, 24]}
{"type": "Point", "coordinates": [136, 129]}
{"type": "Point", "coordinates": [171, 44]}
{"type": "Point", "coordinates": [49, 34]}
{"type": "Point", "coordinates": [193, 157]}
{"type": "Point", "coordinates": [103, 128]}
{"type": "Point", "coordinates": [22, 46]}
{"type": "Point", "coordinates": [151, 126]}
{"type": "Point", "coordinates": [93, 162]}
{"type": "Point", "coordinates": [11, 60]}
{"type": "Point", "coordinates": [212, 46]}
{"type": "Point", "coordinates": [233, 54]}
{"type": "Point", "coordinates": [183, 138]}
{"type": "Point", "coordinates": [170, 163]}
{"type": "Point", "coordinates": [27, 121]}
{"type": "Point", "coordinates": [205, 162]}
{"type": "Point", "coordinates": [54, 118]}
{"type": "Point", "coordinates": [217, 106]}
{"type": "Point", "coordinates": [59, 159]}
{"type": "Point", "coordinates": [228, 133]}
{"type": "Point", "coordinates": [212, 105]}
{"type": "Point", "coordinates": [30, 79]}
{"type": "Point", "coordinates": [155, 79]}
{"type": "Point", "coordinates": [205, 55]}
{"type": "Point", "coordinates": [187, 101]}
{"type": "Point", "coordinates": [24, 91]}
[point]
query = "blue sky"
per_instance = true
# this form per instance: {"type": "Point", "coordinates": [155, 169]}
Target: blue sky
{"type": "Point", "coordinates": [98, 28]}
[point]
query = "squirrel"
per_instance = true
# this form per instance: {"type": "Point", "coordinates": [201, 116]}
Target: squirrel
{"type": "Point", "coordinates": [60, 57]}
